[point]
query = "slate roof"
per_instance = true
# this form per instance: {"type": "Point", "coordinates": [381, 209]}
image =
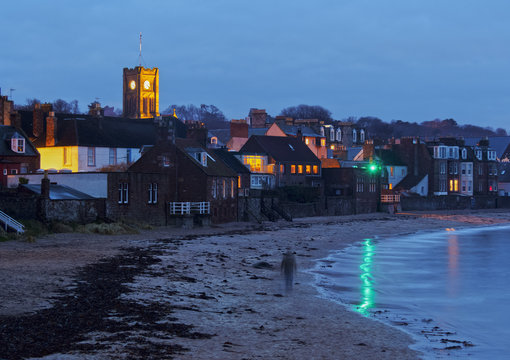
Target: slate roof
{"type": "Point", "coordinates": [256, 131]}
{"type": "Point", "coordinates": [214, 167]}
{"type": "Point", "coordinates": [229, 158]}
{"type": "Point", "coordinates": [223, 135]}
{"type": "Point", "coordinates": [280, 148]}
{"type": "Point", "coordinates": [293, 130]}
{"type": "Point", "coordinates": [59, 192]}
{"type": "Point", "coordinates": [409, 182]}
{"type": "Point", "coordinates": [389, 157]}
{"type": "Point", "coordinates": [504, 172]}
{"type": "Point", "coordinates": [497, 143]}
{"type": "Point", "coordinates": [107, 131]}
{"type": "Point", "coordinates": [6, 133]}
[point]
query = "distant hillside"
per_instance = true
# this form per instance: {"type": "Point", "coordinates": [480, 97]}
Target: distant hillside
{"type": "Point", "coordinates": [427, 129]}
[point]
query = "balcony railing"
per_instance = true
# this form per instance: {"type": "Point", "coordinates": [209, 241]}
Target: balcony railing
{"type": "Point", "coordinates": [186, 208]}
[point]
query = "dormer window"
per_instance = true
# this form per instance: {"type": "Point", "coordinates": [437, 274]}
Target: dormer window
{"type": "Point", "coordinates": [338, 134]}
{"type": "Point", "coordinates": [18, 143]}
{"type": "Point", "coordinates": [464, 154]}
{"type": "Point", "coordinates": [214, 140]}
{"type": "Point", "coordinates": [362, 135]}
{"type": "Point", "coordinates": [354, 135]}
{"type": "Point", "coordinates": [479, 154]}
{"type": "Point", "coordinates": [322, 130]}
{"type": "Point", "coordinates": [332, 134]}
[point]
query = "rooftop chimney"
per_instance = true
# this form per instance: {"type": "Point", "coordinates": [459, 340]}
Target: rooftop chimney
{"type": "Point", "coordinates": [51, 129]}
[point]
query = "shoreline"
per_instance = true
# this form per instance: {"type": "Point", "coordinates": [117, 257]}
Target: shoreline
{"type": "Point", "coordinates": [245, 308]}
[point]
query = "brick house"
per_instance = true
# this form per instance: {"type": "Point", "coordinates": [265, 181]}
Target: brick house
{"type": "Point", "coordinates": [17, 154]}
{"type": "Point", "coordinates": [280, 161]}
{"type": "Point", "coordinates": [315, 142]}
{"type": "Point", "coordinates": [173, 173]}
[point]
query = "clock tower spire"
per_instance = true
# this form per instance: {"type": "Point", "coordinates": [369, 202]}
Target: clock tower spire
{"type": "Point", "coordinates": [140, 91]}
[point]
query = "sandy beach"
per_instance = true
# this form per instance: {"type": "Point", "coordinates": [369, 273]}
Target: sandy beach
{"type": "Point", "coordinates": [208, 293]}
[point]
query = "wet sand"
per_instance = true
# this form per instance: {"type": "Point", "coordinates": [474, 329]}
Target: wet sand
{"type": "Point", "coordinates": [206, 298]}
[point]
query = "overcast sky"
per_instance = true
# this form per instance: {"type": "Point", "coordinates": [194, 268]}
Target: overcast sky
{"type": "Point", "coordinates": [409, 60]}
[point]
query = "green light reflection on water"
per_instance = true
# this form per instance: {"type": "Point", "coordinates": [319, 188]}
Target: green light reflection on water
{"type": "Point", "coordinates": [367, 286]}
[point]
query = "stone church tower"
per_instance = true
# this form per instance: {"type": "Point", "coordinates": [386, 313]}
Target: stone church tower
{"type": "Point", "coordinates": [140, 93]}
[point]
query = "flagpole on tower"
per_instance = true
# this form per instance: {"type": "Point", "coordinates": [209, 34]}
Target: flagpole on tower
{"type": "Point", "coordinates": [140, 55]}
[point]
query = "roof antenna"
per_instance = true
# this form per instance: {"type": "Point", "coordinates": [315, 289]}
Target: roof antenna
{"type": "Point", "coordinates": [140, 55]}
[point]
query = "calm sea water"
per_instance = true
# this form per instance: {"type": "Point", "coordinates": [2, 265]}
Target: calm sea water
{"type": "Point", "coordinates": [449, 289]}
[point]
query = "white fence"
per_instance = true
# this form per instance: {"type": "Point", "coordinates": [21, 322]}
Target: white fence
{"type": "Point", "coordinates": [185, 208]}
{"type": "Point", "coordinates": [10, 222]}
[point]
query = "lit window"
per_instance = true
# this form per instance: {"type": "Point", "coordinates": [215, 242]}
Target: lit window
{"type": "Point", "coordinates": [91, 156]}
{"type": "Point", "coordinates": [300, 169]}
{"type": "Point", "coordinates": [213, 188]}
{"type": "Point", "coordinates": [293, 169]}
{"type": "Point", "coordinates": [323, 142]}
{"type": "Point", "coordinates": [282, 169]}
{"type": "Point", "coordinates": [214, 140]}
{"type": "Point", "coordinates": [17, 143]}
{"type": "Point", "coordinates": [390, 186]}
{"type": "Point", "coordinates": [451, 185]}
{"type": "Point", "coordinates": [256, 163]}
{"type": "Point", "coordinates": [456, 185]}
{"type": "Point", "coordinates": [67, 156]}
{"type": "Point", "coordinates": [308, 169]}
{"type": "Point", "coordinates": [224, 188]}
{"type": "Point", "coordinates": [232, 188]}
{"type": "Point", "coordinates": [332, 147]}
{"type": "Point", "coordinates": [315, 169]}
{"type": "Point", "coordinates": [391, 170]}
{"type": "Point", "coordinates": [307, 141]}
{"type": "Point", "coordinates": [239, 182]}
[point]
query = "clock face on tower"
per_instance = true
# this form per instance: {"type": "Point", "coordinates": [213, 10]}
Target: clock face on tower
{"type": "Point", "coordinates": [146, 85]}
{"type": "Point", "coordinates": [132, 84]}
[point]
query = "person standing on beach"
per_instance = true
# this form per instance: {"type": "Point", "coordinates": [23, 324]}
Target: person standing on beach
{"type": "Point", "coordinates": [288, 268]}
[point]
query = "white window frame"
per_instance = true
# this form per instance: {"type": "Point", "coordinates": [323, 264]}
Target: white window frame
{"type": "Point", "coordinates": [338, 134]}
{"type": "Point", "coordinates": [112, 156]}
{"type": "Point", "coordinates": [18, 144]}
{"type": "Point", "coordinates": [153, 193]}
{"type": "Point", "coordinates": [91, 156]}
{"type": "Point", "coordinates": [123, 193]}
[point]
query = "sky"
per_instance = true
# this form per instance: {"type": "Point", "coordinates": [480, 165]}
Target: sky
{"type": "Point", "coordinates": [409, 60]}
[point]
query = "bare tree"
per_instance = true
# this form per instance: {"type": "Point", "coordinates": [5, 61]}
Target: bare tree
{"type": "Point", "coordinates": [307, 112]}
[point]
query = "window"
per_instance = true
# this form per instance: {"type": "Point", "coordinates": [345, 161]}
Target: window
{"type": "Point", "coordinates": [300, 169]}
{"type": "Point", "coordinates": [91, 156]}
{"type": "Point", "coordinates": [165, 161]}
{"type": "Point", "coordinates": [456, 185]}
{"type": "Point", "coordinates": [442, 152]}
{"type": "Point", "coordinates": [307, 141]}
{"type": "Point", "coordinates": [479, 154]}
{"type": "Point", "coordinates": [214, 188]}
{"type": "Point", "coordinates": [354, 135]}
{"type": "Point", "coordinates": [362, 135]}
{"type": "Point", "coordinates": [239, 182]}
{"type": "Point", "coordinates": [480, 169]}
{"type": "Point", "coordinates": [470, 184]}
{"type": "Point", "coordinates": [463, 186]}
{"type": "Point", "coordinates": [128, 156]}
{"type": "Point", "coordinates": [463, 168]}
{"type": "Point", "coordinates": [112, 159]}
{"type": "Point", "coordinates": [14, 171]}
{"type": "Point", "coordinates": [322, 130]}
{"type": "Point", "coordinates": [323, 142]}
{"type": "Point", "coordinates": [315, 169]}
{"type": "Point", "coordinates": [464, 153]}
{"type": "Point", "coordinates": [469, 169]}
{"type": "Point", "coordinates": [214, 140]}
{"type": "Point", "coordinates": [232, 188]}
{"type": "Point", "coordinates": [256, 163]}
{"type": "Point", "coordinates": [282, 168]}
{"type": "Point", "coordinates": [338, 134]}
{"type": "Point", "coordinates": [293, 169]}
{"type": "Point", "coordinates": [67, 156]}
{"type": "Point", "coordinates": [443, 168]}
{"type": "Point", "coordinates": [224, 189]}
{"type": "Point", "coordinates": [18, 143]}
{"type": "Point", "coordinates": [153, 193]}
{"type": "Point", "coordinates": [5, 172]}
{"type": "Point", "coordinates": [123, 193]}
{"type": "Point", "coordinates": [308, 169]}
{"type": "Point", "coordinates": [332, 134]}
{"type": "Point", "coordinates": [391, 171]}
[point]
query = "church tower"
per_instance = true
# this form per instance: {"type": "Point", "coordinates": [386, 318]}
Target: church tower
{"type": "Point", "coordinates": [140, 94]}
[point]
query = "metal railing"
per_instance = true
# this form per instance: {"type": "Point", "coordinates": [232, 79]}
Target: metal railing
{"type": "Point", "coordinates": [186, 208]}
{"type": "Point", "coordinates": [390, 198]}
{"type": "Point", "coordinates": [10, 222]}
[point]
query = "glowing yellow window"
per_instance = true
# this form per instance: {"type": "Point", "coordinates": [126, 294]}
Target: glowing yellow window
{"type": "Point", "coordinates": [391, 186]}
{"type": "Point", "coordinates": [323, 142]}
{"type": "Point", "coordinates": [308, 169]}
{"type": "Point", "coordinates": [282, 169]}
{"type": "Point", "coordinates": [456, 185]}
{"type": "Point", "coordinates": [307, 141]}
{"type": "Point", "coordinates": [255, 163]}
{"type": "Point", "coordinates": [293, 169]}
{"type": "Point", "coordinates": [300, 169]}
{"type": "Point", "coordinates": [451, 185]}
{"type": "Point", "coordinates": [315, 169]}
{"type": "Point", "coordinates": [239, 182]}
{"type": "Point", "coordinates": [332, 147]}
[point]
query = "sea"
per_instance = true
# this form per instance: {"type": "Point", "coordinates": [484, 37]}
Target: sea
{"type": "Point", "coordinates": [450, 289]}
